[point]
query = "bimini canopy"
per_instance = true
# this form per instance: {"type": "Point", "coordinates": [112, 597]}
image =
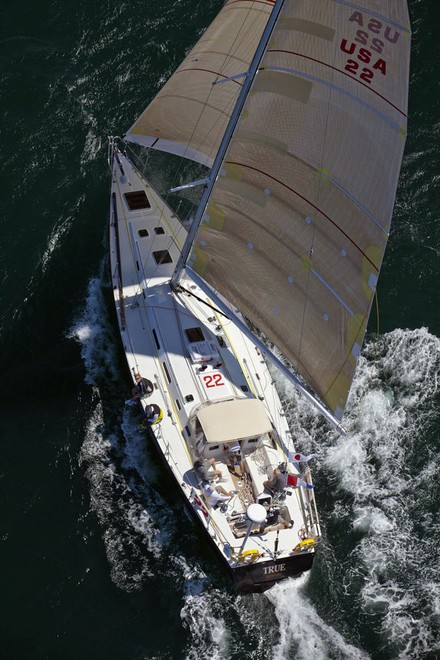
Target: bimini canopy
{"type": "Point", "coordinates": [233, 420]}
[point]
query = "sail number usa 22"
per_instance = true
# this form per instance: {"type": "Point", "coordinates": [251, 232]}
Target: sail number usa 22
{"type": "Point", "coordinates": [375, 35]}
{"type": "Point", "coordinates": [213, 380]}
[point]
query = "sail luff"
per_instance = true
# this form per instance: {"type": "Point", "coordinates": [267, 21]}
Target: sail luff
{"type": "Point", "coordinates": [195, 226]}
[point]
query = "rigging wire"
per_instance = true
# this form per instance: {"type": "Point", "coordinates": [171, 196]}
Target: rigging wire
{"type": "Point", "coordinates": [377, 323]}
{"type": "Point", "coordinates": [377, 314]}
{"type": "Point", "coordinates": [215, 309]}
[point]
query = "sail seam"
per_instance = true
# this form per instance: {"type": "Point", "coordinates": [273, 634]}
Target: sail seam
{"type": "Point", "coordinates": [307, 76]}
{"type": "Point", "coordinates": [308, 202]}
{"type": "Point", "coordinates": [196, 102]}
{"type": "Point", "coordinates": [254, 2]}
{"type": "Point", "coordinates": [330, 66]}
{"type": "Point", "coordinates": [216, 73]}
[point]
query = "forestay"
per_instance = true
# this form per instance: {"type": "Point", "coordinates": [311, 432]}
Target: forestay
{"type": "Point", "coordinates": [298, 221]}
{"type": "Point", "coordinates": [189, 115]}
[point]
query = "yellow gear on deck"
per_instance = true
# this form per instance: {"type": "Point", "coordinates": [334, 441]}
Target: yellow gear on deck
{"type": "Point", "coordinates": [306, 544]}
{"type": "Point", "coordinates": [159, 419]}
{"type": "Point", "coordinates": [247, 556]}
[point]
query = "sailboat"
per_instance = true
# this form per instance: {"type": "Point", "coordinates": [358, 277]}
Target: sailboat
{"type": "Point", "coordinates": [297, 111]}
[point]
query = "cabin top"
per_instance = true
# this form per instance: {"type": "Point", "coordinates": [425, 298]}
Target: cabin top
{"type": "Point", "coordinates": [235, 419]}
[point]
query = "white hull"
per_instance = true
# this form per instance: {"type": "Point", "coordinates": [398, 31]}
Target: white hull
{"type": "Point", "coordinates": [153, 322]}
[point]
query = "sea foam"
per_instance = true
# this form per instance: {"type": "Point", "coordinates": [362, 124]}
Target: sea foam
{"type": "Point", "coordinates": [386, 464]}
{"type": "Point", "coordinates": [380, 477]}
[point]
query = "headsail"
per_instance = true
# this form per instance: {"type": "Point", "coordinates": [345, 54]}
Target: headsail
{"type": "Point", "coordinates": [297, 223]}
{"type": "Point", "coordinates": [190, 114]}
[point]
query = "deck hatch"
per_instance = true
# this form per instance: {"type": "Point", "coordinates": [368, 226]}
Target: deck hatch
{"type": "Point", "coordinates": [137, 200]}
{"type": "Point", "coordinates": [194, 334]}
{"type": "Point", "coordinates": [162, 257]}
{"type": "Point", "coordinates": [167, 373]}
{"type": "Point", "coordinates": [156, 340]}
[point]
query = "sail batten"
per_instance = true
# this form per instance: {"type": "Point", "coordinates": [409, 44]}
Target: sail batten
{"type": "Point", "coordinates": [297, 222]}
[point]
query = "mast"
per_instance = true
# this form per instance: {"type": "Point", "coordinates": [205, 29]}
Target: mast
{"type": "Point", "coordinates": [225, 143]}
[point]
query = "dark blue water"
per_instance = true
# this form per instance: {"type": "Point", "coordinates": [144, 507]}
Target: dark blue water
{"type": "Point", "coordinates": [99, 558]}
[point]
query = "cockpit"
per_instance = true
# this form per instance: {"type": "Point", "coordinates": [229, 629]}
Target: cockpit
{"type": "Point", "coordinates": [233, 446]}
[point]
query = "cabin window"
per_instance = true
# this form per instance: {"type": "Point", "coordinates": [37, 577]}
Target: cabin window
{"type": "Point", "coordinates": [214, 448]}
{"type": "Point", "coordinates": [179, 407]}
{"type": "Point", "coordinates": [156, 341]}
{"type": "Point", "coordinates": [252, 440]}
{"type": "Point", "coordinates": [194, 335]}
{"type": "Point", "coordinates": [221, 341]}
{"type": "Point", "coordinates": [166, 372]}
{"type": "Point", "coordinates": [159, 230]}
{"type": "Point", "coordinates": [162, 257]}
{"type": "Point", "coordinates": [137, 200]}
{"type": "Point", "coordinates": [143, 233]}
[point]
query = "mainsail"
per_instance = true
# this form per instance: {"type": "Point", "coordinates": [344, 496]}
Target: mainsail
{"type": "Point", "coordinates": [297, 223]}
{"type": "Point", "coordinates": [189, 115]}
